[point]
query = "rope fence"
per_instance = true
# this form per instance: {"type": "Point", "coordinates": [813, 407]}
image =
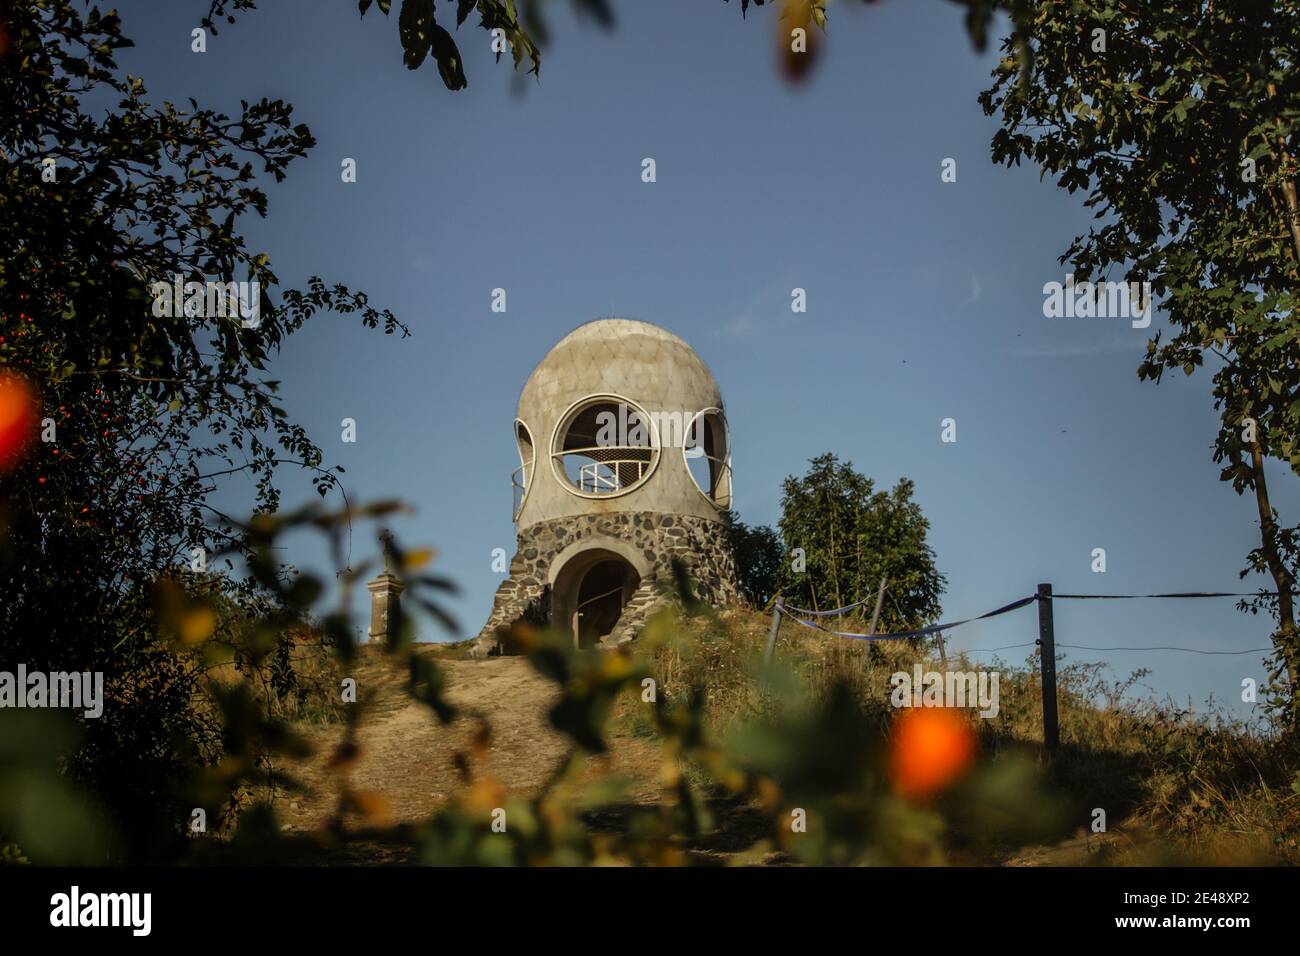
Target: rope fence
{"type": "Point", "coordinates": [918, 632]}
{"type": "Point", "coordinates": [1044, 598]}
{"type": "Point", "coordinates": [799, 615]}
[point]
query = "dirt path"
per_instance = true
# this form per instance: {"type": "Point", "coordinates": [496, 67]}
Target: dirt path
{"type": "Point", "coordinates": [407, 756]}
{"type": "Point", "coordinates": [406, 759]}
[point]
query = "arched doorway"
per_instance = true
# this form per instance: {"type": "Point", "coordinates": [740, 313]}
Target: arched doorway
{"type": "Point", "coordinates": [590, 592]}
{"type": "Point", "coordinates": [601, 596]}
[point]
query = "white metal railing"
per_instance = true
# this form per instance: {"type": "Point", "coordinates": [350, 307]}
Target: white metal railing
{"type": "Point", "coordinates": [594, 481]}
{"type": "Point", "coordinates": [522, 477]}
{"type": "Point", "coordinates": [519, 487]}
{"type": "Point", "coordinates": [606, 469]}
{"type": "Point", "coordinates": [720, 493]}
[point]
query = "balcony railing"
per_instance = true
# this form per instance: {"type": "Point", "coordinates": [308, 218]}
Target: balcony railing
{"type": "Point", "coordinates": [596, 477]}
{"type": "Point", "coordinates": [605, 469]}
{"type": "Point", "coordinates": [519, 480]}
{"type": "Point", "coordinates": [719, 475]}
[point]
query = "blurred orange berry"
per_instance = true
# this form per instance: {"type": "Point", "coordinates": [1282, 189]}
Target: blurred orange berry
{"type": "Point", "coordinates": [930, 747]}
{"type": "Point", "coordinates": [18, 413]}
{"type": "Point", "coordinates": [797, 39]}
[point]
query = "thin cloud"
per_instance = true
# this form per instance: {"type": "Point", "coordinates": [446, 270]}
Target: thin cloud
{"type": "Point", "coordinates": [739, 327]}
{"type": "Point", "coordinates": [1117, 347]}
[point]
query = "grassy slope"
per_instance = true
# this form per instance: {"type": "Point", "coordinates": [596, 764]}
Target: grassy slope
{"type": "Point", "coordinates": [1174, 786]}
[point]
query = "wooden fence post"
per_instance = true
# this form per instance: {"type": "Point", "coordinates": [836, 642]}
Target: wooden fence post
{"type": "Point", "coordinates": [875, 620]}
{"type": "Point", "coordinates": [880, 599]}
{"type": "Point", "coordinates": [1047, 657]}
{"type": "Point", "coordinates": [771, 634]}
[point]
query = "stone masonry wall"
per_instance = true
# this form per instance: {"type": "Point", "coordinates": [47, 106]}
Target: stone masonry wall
{"type": "Point", "coordinates": [699, 544]}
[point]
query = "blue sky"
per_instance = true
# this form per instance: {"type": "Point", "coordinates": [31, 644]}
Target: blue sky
{"type": "Point", "coordinates": [924, 298]}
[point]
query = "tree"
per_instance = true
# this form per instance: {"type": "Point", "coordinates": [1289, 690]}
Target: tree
{"type": "Point", "coordinates": [517, 26]}
{"type": "Point", "coordinates": [143, 409]}
{"type": "Point", "coordinates": [758, 556]}
{"type": "Point", "coordinates": [851, 537]}
{"type": "Point", "coordinates": [1179, 122]}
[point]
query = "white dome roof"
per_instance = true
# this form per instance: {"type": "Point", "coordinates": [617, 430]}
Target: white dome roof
{"type": "Point", "coordinates": [642, 365]}
{"type": "Point", "coordinates": [636, 360]}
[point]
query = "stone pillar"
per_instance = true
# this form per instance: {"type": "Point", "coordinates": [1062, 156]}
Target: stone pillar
{"type": "Point", "coordinates": [385, 592]}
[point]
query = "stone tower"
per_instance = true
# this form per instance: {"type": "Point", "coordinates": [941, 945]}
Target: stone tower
{"type": "Point", "coordinates": [625, 467]}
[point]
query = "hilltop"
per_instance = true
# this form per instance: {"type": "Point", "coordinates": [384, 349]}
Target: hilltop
{"type": "Point", "coordinates": [1174, 786]}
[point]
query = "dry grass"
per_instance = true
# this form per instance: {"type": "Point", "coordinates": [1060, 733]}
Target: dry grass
{"type": "Point", "coordinates": [312, 693]}
{"type": "Point", "coordinates": [1178, 785]}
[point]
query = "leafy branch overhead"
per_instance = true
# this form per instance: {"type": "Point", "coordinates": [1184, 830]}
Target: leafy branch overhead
{"type": "Point", "coordinates": [1180, 124]}
{"type": "Point", "coordinates": [518, 26]}
{"type": "Point", "coordinates": [422, 36]}
{"type": "Point", "coordinates": [150, 407]}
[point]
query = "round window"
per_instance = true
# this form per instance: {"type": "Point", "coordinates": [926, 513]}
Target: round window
{"type": "Point", "coordinates": [604, 446]}
{"type": "Point", "coordinates": [522, 479]}
{"type": "Point", "coordinates": [708, 456]}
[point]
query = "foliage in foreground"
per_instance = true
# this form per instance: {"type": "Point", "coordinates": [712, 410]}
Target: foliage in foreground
{"type": "Point", "coordinates": [805, 753]}
{"type": "Point", "coordinates": [1187, 786]}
